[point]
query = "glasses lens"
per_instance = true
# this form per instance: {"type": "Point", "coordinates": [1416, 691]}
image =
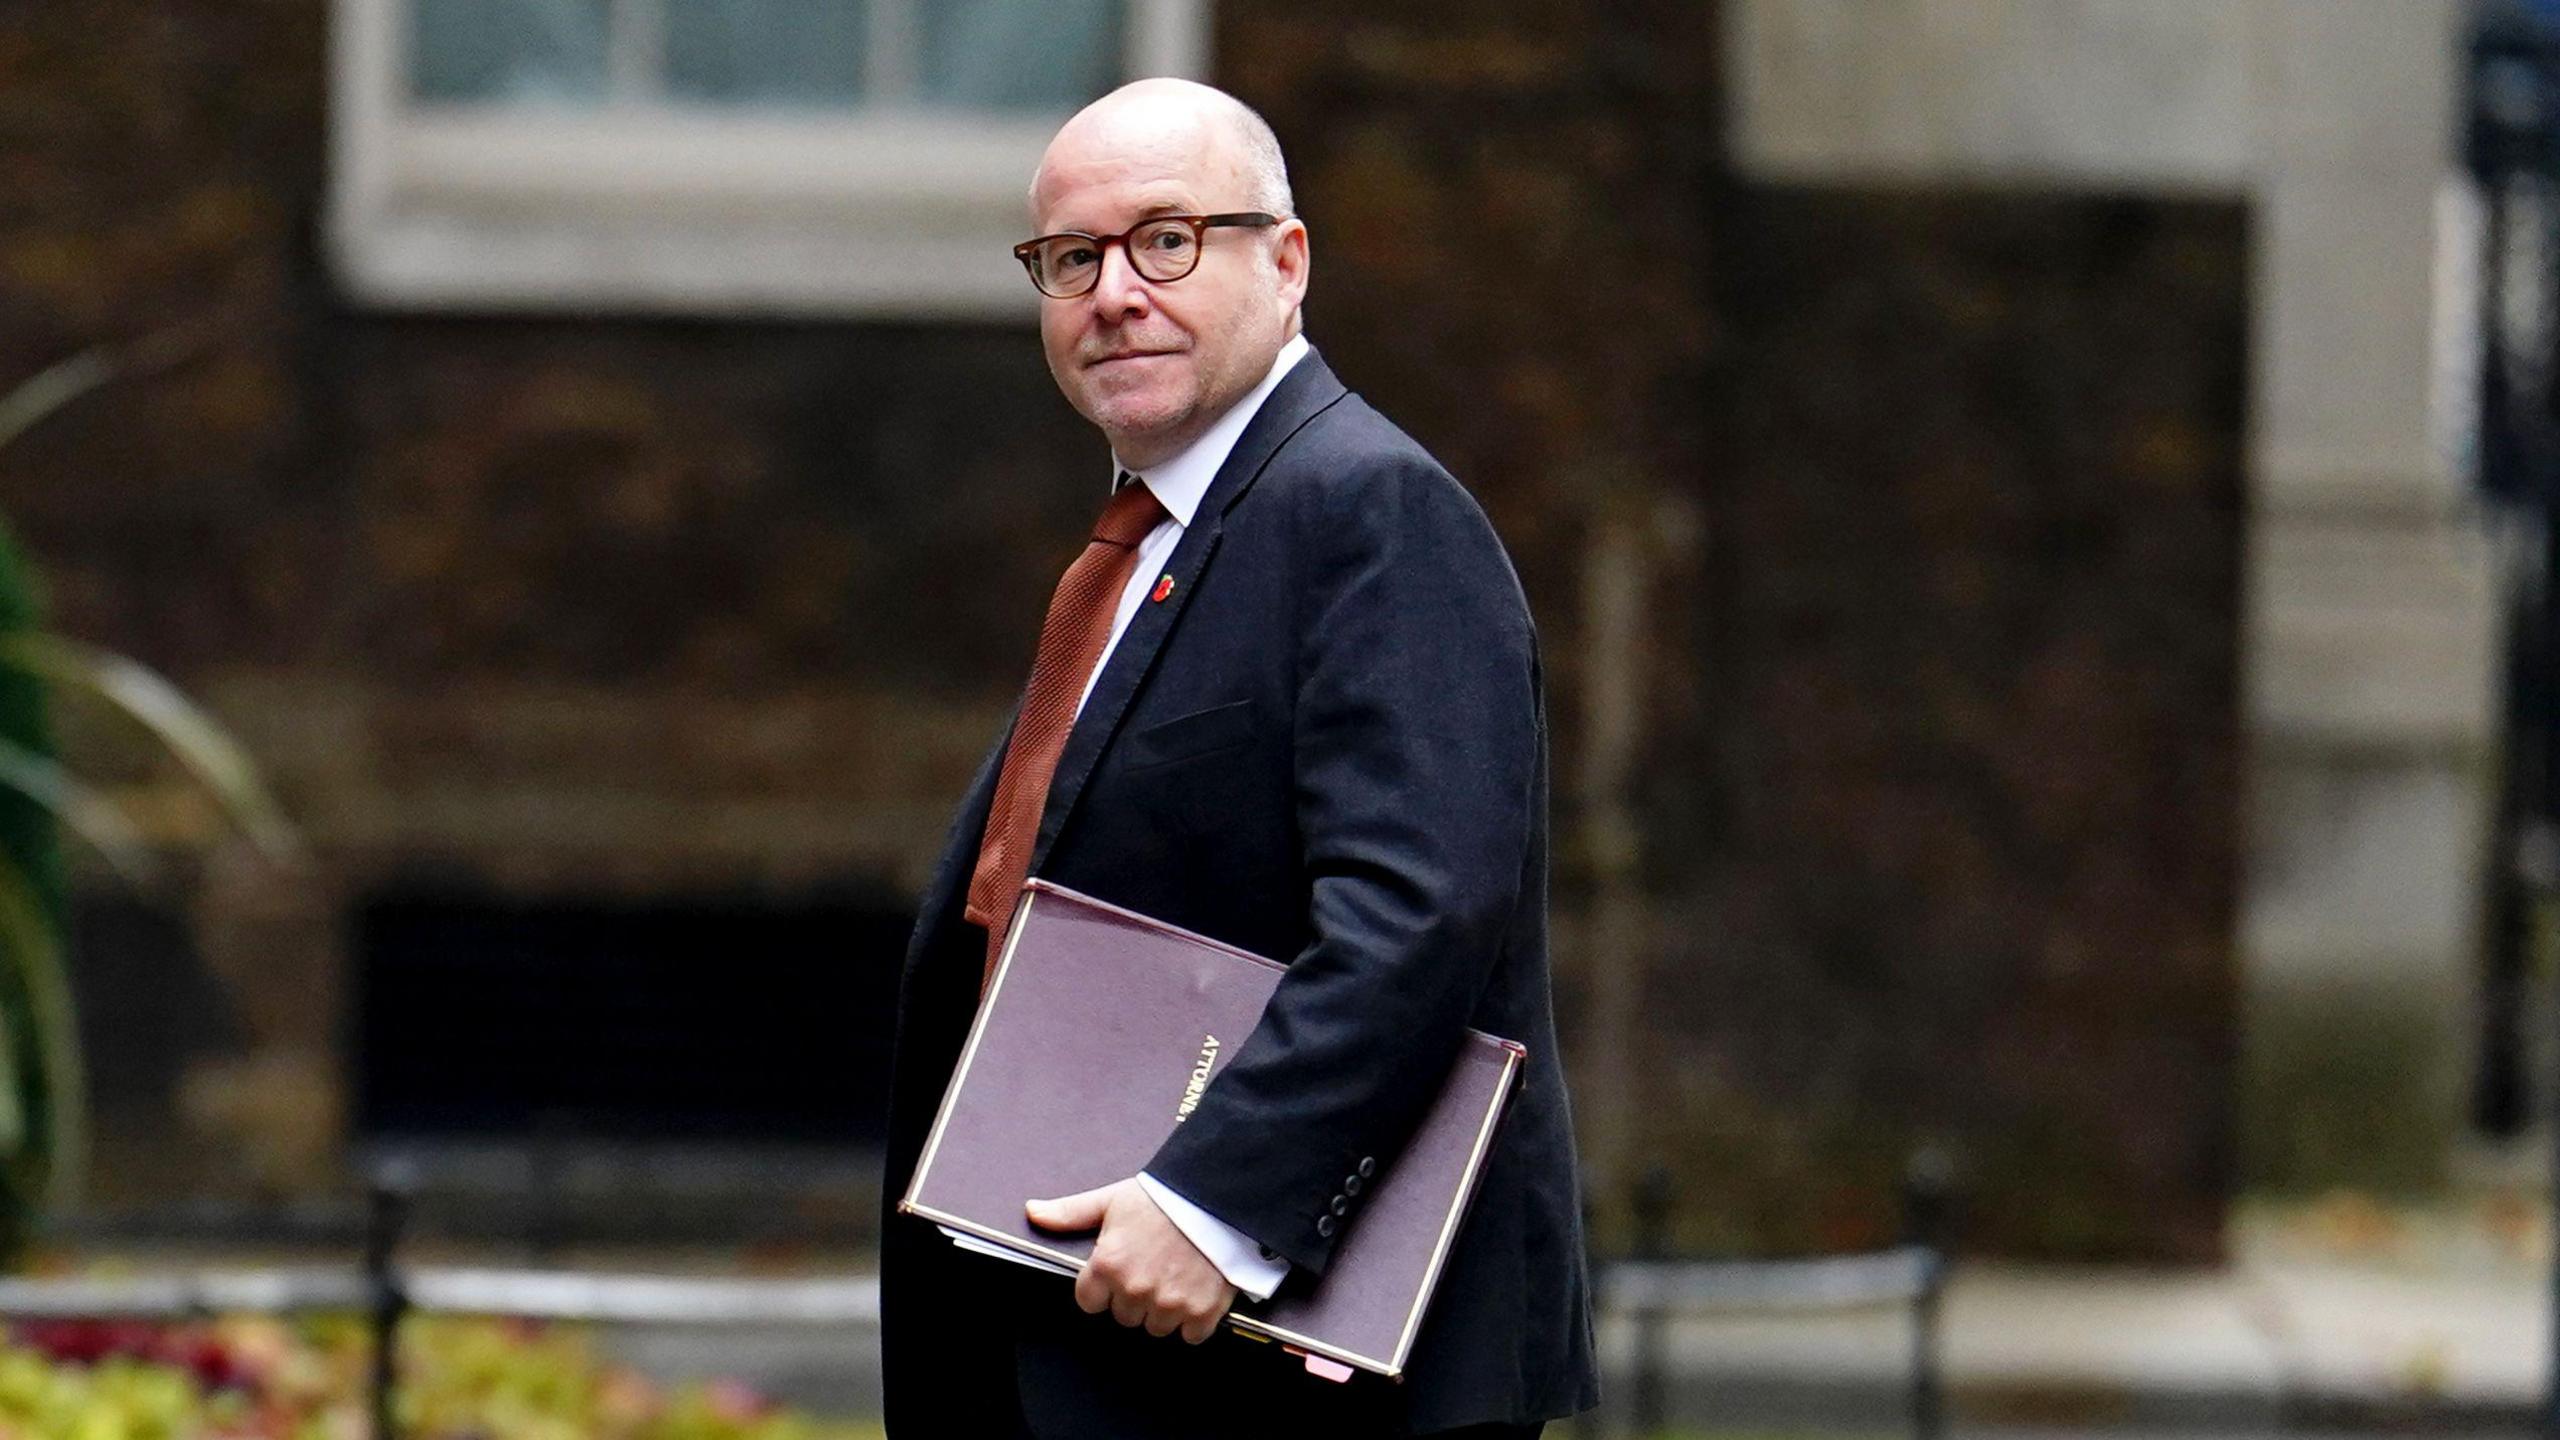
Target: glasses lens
{"type": "Point", "coordinates": [1067, 264]}
{"type": "Point", "coordinates": [1164, 249]}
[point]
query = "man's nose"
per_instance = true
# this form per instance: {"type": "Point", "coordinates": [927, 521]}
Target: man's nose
{"type": "Point", "coordinates": [1120, 291]}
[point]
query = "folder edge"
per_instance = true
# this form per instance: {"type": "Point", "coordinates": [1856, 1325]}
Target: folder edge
{"type": "Point", "coordinates": [968, 1055]}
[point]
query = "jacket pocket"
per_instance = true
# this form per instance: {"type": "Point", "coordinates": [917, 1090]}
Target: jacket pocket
{"type": "Point", "coordinates": [1187, 737]}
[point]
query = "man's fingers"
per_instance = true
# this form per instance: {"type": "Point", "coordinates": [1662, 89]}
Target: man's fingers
{"type": "Point", "coordinates": [1080, 1211]}
{"type": "Point", "coordinates": [1093, 1293]}
{"type": "Point", "coordinates": [1142, 1270]}
{"type": "Point", "coordinates": [1206, 1323]}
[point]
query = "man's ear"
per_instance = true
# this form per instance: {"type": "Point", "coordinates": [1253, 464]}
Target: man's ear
{"type": "Point", "coordinates": [1292, 259]}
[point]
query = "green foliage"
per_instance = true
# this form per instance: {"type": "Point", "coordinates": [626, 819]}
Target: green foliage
{"type": "Point", "coordinates": [43, 1100]}
{"type": "Point", "coordinates": [115, 1400]}
{"type": "Point", "coordinates": [34, 1148]}
{"type": "Point", "coordinates": [2347, 1085]}
{"type": "Point", "coordinates": [254, 1378]}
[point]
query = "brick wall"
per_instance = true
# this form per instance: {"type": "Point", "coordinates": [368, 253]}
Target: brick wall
{"type": "Point", "coordinates": [1956, 829]}
{"type": "Point", "coordinates": [1932, 805]}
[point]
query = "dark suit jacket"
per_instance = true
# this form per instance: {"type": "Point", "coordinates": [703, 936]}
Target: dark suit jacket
{"type": "Point", "coordinates": [1327, 745]}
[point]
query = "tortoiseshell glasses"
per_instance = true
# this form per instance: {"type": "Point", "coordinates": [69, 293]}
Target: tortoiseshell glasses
{"type": "Point", "coordinates": [1161, 248]}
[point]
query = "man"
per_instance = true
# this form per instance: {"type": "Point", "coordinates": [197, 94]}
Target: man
{"type": "Point", "coordinates": [1289, 698]}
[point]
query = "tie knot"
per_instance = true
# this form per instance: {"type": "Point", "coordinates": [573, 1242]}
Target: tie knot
{"type": "Point", "coordinates": [1133, 512]}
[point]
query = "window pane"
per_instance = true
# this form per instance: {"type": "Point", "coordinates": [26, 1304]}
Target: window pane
{"type": "Point", "coordinates": [539, 51]}
{"type": "Point", "coordinates": [1020, 54]}
{"type": "Point", "coordinates": [767, 52]}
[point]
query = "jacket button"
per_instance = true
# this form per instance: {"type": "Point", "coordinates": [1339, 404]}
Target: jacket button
{"type": "Point", "coordinates": [1341, 1204]}
{"type": "Point", "coordinates": [1368, 1166]}
{"type": "Point", "coordinates": [1269, 1254]}
{"type": "Point", "coordinates": [1324, 1226]}
{"type": "Point", "coordinates": [1350, 1184]}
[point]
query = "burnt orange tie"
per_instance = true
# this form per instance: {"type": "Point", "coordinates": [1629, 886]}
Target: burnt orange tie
{"type": "Point", "coordinates": [1071, 641]}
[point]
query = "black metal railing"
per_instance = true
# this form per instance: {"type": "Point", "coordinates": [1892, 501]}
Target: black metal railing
{"type": "Point", "coordinates": [1652, 1287]}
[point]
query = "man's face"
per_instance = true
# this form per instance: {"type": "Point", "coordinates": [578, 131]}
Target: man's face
{"type": "Point", "coordinates": [1155, 363]}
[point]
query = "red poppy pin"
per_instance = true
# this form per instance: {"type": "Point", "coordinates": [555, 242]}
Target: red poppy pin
{"type": "Point", "coordinates": [1163, 588]}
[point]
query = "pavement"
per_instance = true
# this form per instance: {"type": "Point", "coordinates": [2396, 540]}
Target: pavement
{"type": "Point", "coordinates": [2259, 1347]}
{"type": "Point", "coordinates": [2338, 1315]}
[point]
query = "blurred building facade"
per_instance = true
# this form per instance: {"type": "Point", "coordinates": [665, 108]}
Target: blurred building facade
{"type": "Point", "coordinates": [2370, 632]}
{"type": "Point", "coordinates": [1966, 457]}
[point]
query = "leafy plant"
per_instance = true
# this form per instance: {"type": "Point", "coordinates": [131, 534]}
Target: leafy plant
{"type": "Point", "coordinates": [246, 1377]}
{"type": "Point", "coordinates": [43, 1097]}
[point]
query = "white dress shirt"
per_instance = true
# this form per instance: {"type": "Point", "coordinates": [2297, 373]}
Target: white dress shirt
{"type": "Point", "coordinates": [1179, 483]}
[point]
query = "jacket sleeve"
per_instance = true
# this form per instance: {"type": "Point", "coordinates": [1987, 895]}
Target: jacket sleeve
{"type": "Point", "coordinates": [1415, 744]}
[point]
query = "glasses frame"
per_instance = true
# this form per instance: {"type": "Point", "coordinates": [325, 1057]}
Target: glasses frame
{"type": "Point", "coordinates": [1028, 251]}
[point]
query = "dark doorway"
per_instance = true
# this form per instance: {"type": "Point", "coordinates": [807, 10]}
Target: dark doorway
{"type": "Point", "coordinates": [720, 1019]}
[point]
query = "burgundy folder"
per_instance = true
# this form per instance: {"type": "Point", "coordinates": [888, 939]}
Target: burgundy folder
{"type": "Point", "coordinates": [1095, 1039]}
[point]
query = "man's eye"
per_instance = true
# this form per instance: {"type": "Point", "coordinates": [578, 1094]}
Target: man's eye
{"type": "Point", "coordinates": [1169, 239]}
{"type": "Point", "coordinates": [1069, 259]}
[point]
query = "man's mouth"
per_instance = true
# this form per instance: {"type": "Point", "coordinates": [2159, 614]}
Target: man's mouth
{"type": "Point", "coordinates": [1131, 355]}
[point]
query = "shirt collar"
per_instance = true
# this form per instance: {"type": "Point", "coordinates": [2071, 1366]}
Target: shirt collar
{"type": "Point", "coordinates": [1180, 482]}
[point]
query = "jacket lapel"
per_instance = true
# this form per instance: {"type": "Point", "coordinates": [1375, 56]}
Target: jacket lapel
{"type": "Point", "coordinates": [1304, 393]}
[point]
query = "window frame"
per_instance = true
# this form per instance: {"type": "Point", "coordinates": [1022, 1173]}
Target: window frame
{"type": "Point", "coordinates": [649, 208]}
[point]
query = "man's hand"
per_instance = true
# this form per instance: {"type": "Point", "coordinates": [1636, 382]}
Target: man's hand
{"type": "Point", "coordinates": [1143, 1269]}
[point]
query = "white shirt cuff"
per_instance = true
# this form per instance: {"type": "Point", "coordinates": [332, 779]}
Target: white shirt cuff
{"type": "Point", "coordinates": [1237, 1255]}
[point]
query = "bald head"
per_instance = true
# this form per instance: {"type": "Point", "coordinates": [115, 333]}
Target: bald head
{"type": "Point", "coordinates": [1174, 119]}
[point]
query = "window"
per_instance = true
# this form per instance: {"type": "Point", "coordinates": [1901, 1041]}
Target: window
{"type": "Point", "coordinates": [796, 157]}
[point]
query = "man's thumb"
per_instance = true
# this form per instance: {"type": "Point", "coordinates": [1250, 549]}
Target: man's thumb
{"type": "Point", "coordinates": [1081, 1211]}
